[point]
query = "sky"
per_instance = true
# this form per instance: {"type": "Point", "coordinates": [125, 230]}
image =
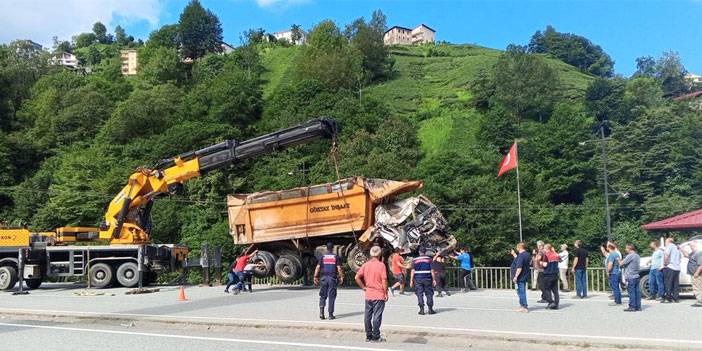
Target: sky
{"type": "Point", "coordinates": [625, 29]}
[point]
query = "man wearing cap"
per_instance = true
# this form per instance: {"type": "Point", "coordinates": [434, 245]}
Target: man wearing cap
{"type": "Point", "coordinates": [373, 279]}
{"type": "Point", "coordinates": [329, 267]}
{"type": "Point", "coordinates": [425, 279]}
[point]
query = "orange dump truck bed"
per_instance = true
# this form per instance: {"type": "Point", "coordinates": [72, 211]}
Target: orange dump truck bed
{"type": "Point", "coordinates": [334, 208]}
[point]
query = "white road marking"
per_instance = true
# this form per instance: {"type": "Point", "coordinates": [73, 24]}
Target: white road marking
{"type": "Point", "coordinates": [439, 307]}
{"type": "Point", "coordinates": [191, 337]}
{"type": "Point", "coordinates": [506, 333]}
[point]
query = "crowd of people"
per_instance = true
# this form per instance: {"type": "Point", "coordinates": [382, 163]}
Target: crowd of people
{"type": "Point", "coordinates": [546, 267]}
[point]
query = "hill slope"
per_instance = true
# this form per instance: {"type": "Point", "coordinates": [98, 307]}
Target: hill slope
{"type": "Point", "coordinates": [430, 85]}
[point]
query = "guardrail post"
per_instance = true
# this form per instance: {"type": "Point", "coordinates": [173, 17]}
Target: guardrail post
{"type": "Point", "coordinates": [140, 263]}
{"type": "Point", "coordinates": [205, 263]}
{"type": "Point", "coordinates": [218, 264]}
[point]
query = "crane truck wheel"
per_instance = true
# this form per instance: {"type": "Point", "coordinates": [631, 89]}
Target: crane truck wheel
{"type": "Point", "coordinates": [8, 277]}
{"type": "Point", "coordinates": [356, 258]}
{"type": "Point", "coordinates": [101, 275]}
{"type": "Point", "coordinates": [33, 283]}
{"type": "Point", "coordinates": [128, 274]}
{"type": "Point", "coordinates": [265, 264]}
{"type": "Point", "coordinates": [288, 268]}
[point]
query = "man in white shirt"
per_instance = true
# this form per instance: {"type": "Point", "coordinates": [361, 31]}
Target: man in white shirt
{"type": "Point", "coordinates": [563, 267]}
{"type": "Point", "coordinates": [671, 271]}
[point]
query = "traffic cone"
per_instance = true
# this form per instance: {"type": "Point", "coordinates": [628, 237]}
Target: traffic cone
{"type": "Point", "coordinates": [181, 294]}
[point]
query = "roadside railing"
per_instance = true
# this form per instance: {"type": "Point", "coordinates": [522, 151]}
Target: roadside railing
{"type": "Point", "coordinates": [482, 277]}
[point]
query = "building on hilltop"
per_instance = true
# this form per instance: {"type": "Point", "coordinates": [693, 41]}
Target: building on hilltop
{"type": "Point", "coordinates": [693, 78]}
{"type": "Point", "coordinates": [65, 59]}
{"type": "Point", "coordinates": [288, 35]}
{"type": "Point", "coordinates": [421, 34]}
{"type": "Point", "coordinates": [130, 62]}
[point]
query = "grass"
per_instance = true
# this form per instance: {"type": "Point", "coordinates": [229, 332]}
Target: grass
{"type": "Point", "coordinates": [277, 61]}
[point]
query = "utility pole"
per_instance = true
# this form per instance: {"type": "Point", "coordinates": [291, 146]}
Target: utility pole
{"type": "Point", "coordinates": [606, 182]}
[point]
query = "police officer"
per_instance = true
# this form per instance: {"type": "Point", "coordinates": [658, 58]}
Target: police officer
{"type": "Point", "coordinates": [329, 267]}
{"type": "Point", "coordinates": [423, 280]}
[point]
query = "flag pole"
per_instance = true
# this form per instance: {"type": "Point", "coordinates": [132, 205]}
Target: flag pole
{"type": "Point", "coordinates": [519, 194]}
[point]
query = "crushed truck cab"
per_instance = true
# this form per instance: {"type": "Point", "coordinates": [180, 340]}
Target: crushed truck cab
{"type": "Point", "coordinates": [353, 213]}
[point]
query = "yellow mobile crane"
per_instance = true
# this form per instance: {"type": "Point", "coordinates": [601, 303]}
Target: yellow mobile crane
{"type": "Point", "coordinates": [126, 225]}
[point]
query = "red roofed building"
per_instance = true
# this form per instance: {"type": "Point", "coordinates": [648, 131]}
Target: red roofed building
{"type": "Point", "coordinates": [686, 221]}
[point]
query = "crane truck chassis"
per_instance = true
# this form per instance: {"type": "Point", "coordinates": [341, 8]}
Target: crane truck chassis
{"type": "Point", "coordinates": [126, 225]}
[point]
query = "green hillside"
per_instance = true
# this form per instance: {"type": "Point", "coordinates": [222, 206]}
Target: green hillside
{"type": "Point", "coordinates": [430, 84]}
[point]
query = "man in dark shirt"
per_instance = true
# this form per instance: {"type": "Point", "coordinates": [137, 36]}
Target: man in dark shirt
{"type": "Point", "coordinates": [580, 263]}
{"type": "Point", "coordinates": [438, 265]}
{"type": "Point", "coordinates": [520, 274]}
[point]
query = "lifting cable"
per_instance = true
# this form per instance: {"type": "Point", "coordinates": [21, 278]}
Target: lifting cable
{"type": "Point", "coordinates": [334, 156]}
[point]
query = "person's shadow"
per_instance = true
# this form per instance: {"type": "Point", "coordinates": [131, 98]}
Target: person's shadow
{"type": "Point", "coordinates": [419, 339]}
{"type": "Point", "coordinates": [346, 315]}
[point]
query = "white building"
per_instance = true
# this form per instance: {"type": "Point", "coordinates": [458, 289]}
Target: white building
{"type": "Point", "coordinates": [226, 48]}
{"type": "Point", "coordinates": [693, 78]}
{"type": "Point", "coordinates": [130, 62]}
{"type": "Point", "coordinates": [288, 35]}
{"type": "Point", "coordinates": [421, 34]}
{"type": "Point", "coordinates": [65, 59]}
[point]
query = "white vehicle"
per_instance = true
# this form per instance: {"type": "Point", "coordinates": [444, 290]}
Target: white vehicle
{"type": "Point", "coordinates": [685, 279]}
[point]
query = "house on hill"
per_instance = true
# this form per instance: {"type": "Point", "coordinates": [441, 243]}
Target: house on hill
{"type": "Point", "coordinates": [421, 34]}
{"type": "Point", "coordinates": [288, 35]}
{"type": "Point", "coordinates": [65, 59]}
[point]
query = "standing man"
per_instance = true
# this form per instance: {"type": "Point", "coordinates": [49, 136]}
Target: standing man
{"type": "Point", "coordinates": [373, 279]}
{"type": "Point", "coordinates": [425, 280]}
{"type": "Point", "coordinates": [465, 281]}
{"type": "Point", "coordinates": [613, 272]}
{"type": "Point", "coordinates": [580, 263]}
{"type": "Point", "coordinates": [241, 263]}
{"type": "Point", "coordinates": [232, 278]}
{"type": "Point", "coordinates": [656, 286]}
{"type": "Point", "coordinates": [520, 274]}
{"type": "Point", "coordinates": [439, 267]}
{"type": "Point", "coordinates": [550, 277]}
{"type": "Point", "coordinates": [630, 264]}
{"type": "Point", "coordinates": [694, 269]}
{"type": "Point", "coordinates": [398, 267]}
{"type": "Point", "coordinates": [329, 267]}
{"type": "Point", "coordinates": [563, 267]}
{"type": "Point", "coordinates": [671, 271]}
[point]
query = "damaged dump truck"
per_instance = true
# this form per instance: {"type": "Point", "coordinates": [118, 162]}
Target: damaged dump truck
{"type": "Point", "coordinates": [290, 228]}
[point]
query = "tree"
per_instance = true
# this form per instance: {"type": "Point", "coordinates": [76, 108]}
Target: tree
{"type": "Point", "coordinates": [83, 40]}
{"type": "Point", "coordinates": [121, 37]}
{"type": "Point", "coordinates": [667, 69]}
{"type": "Point", "coordinates": [574, 50]}
{"type": "Point", "coordinates": [368, 39]}
{"type": "Point", "coordinates": [161, 65]}
{"type": "Point", "coordinates": [524, 84]}
{"type": "Point", "coordinates": [603, 99]}
{"type": "Point", "coordinates": [166, 36]}
{"type": "Point", "coordinates": [101, 35]}
{"type": "Point", "coordinates": [199, 31]}
{"type": "Point", "coordinates": [255, 36]}
{"type": "Point", "coordinates": [296, 33]}
{"type": "Point", "coordinates": [329, 59]}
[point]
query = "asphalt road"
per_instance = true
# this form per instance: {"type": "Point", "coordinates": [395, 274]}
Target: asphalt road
{"type": "Point", "coordinates": [277, 318]}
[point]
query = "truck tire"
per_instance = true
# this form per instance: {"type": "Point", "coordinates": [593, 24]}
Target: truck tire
{"type": "Point", "coordinates": [33, 283]}
{"type": "Point", "coordinates": [128, 274]}
{"type": "Point", "coordinates": [356, 258]}
{"type": "Point", "coordinates": [101, 275]}
{"type": "Point", "coordinates": [267, 268]}
{"type": "Point", "coordinates": [643, 286]}
{"type": "Point", "coordinates": [288, 268]}
{"type": "Point", "coordinates": [8, 277]}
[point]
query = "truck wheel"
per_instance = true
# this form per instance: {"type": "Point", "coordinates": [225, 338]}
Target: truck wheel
{"type": "Point", "coordinates": [288, 268]}
{"type": "Point", "coordinates": [643, 286]}
{"type": "Point", "coordinates": [8, 277]}
{"type": "Point", "coordinates": [33, 283]}
{"type": "Point", "coordinates": [101, 275]}
{"type": "Point", "coordinates": [356, 258]}
{"type": "Point", "coordinates": [267, 264]}
{"type": "Point", "coordinates": [128, 274]}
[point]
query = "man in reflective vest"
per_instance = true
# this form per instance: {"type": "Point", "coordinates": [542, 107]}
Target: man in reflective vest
{"type": "Point", "coordinates": [329, 267]}
{"type": "Point", "coordinates": [423, 279]}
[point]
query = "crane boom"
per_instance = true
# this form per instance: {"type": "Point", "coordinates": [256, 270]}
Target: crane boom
{"type": "Point", "coordinates": [127, 218]}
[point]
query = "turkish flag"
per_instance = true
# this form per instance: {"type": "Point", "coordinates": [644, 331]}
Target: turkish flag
{"type": "Point", "coordinates": [510, 160]}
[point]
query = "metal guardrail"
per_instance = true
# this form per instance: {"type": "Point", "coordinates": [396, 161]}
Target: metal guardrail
{"type": "Point", "coordinates": [483, 278]}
